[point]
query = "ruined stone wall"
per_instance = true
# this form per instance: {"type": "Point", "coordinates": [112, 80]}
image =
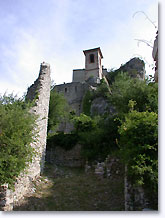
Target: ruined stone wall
{"type": "Point", "coordinates": [40, 91]}
{"type": "Point", "coordinates": [59, 156]}
{"type": "Point", "coordinates": [73, 92]}
{"type": "Point", "coordinates": [78, 75]}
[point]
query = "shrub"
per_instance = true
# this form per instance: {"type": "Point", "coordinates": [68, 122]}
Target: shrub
{"type": "Point", "coordinates": [65, 141]}
{"type": "Point", "coordinates": [125, 89]}
{"type": "Point", "coordinates": [87, 101]}
{"type": "Point", "coordinates": [98, 135]}
{"type": "Point", "coordinates": [58, 110]}
{"type": "Point", "coordinates": [139, 150]}
{"type": "Point", "coordinates": [84, 123]}
{"type": "Point", "coordinates": [16, 125]}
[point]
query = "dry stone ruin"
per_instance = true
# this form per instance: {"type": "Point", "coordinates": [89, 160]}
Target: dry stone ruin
{"type": "Point", "coordinates": [40, 92]}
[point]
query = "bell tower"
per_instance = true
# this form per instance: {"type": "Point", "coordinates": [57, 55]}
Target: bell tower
{"type": "Point", "coordinates": [93, 65]}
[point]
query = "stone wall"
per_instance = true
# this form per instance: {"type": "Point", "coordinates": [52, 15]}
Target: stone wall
{"type": "Point", "coordinates": [73, 92]}
{"type": "Point", "coordinates": [113, 168]}
{"type": "Point", "coordinates": [78, 75]}
{"type": "Point", "coordinates": [59, 156]}
{"type": "Point", "coordinates": [40, 92]}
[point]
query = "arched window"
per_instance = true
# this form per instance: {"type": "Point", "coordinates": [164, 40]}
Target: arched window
{"type": "Point", "coordinates": [92, 58]}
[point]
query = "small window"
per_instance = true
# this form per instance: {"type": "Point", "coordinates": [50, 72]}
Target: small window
{"type": "Point", "coordinates": [75, 88]}
{"type": "Point", "coordinates": [65, 90]}
{"type": "Point", "coordinates": [92, 58]}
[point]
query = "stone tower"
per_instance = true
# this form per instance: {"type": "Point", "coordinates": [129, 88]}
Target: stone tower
{"type": "Point", "coordinates": [93, 65]}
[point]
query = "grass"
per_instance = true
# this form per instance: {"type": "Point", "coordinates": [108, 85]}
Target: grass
{"type": "Point", "coordinates": [70, 189]}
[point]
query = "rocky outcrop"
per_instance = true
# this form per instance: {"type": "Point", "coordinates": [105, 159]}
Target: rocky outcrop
{"type": "Point", "coordinates": [135, 68]}
{"type": "Point", "coordinates": [100, 106]}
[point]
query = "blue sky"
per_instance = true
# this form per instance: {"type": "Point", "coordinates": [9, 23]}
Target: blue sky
{"type": "Point", "coordinates": [57, 31]}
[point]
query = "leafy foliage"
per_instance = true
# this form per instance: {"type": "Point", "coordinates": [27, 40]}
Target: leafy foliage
{"type": "Point", "coordinates": [16, 125]}
{"type": "Point", "coordinates": [111, 75]}
{"type": "Point", "coordinates": [83, 123]}
{"type": "Point", "coordinates": [125, 89]}
{"type": "Point", "coordinates": [139, 149]}
{"type": "Point", "coordinates": [58, 110]}
{"type": "Point", "coordinates": [136, 103]}
{"type": "Point", "coordinates": [102, 90]}
{"type": "Point", "coordinates": [65, 141]}
{"type": "Point", "coordinates": [97, 135]}
{"type": "Point", "coordinates": [87, 101]}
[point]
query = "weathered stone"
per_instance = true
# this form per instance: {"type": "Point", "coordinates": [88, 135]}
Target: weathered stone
{"type": "Point", "coordinates": [100, 106]}
{"type": "Point", "coordinates": [83, 80]}
{"type": "Point", "coordinates": [87, 167]}
{"type": "Point", "coordinates": [40, 92]}
{"type": "Point", "coordinates": [60, 156]}
{"type": "Point", "coordinates": [135, 68]}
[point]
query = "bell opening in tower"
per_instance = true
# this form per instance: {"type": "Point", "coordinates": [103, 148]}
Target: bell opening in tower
{"type": "Point", "coordinates": [92, 58]}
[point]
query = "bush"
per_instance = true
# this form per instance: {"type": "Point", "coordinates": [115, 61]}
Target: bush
{"type": "Point", "coordinates": [139, 150]}
{"type": "Point", "coordinates": [87, 101]}
{"type": "Point", "coordinates": [84, 123]}
{"type": "Point", "coordinates": [65, 141]}
{"type": "Point", "coordinates": [16, 125]}
{"type": "Point", "coordinates": [58, 110]}
{"type": "Point", "coordinates": [125, 89]}
{"type": "Point", "coordinates": [97, 135]}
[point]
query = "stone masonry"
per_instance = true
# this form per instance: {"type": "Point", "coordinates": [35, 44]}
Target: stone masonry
{"type": "Point", "coordinates": [83, 79]}
{"type": "Point", "coordinates": [40, 93]}
{"type": "Point", "coordinates": [62, 157]}
{"type": "Point", "coordinates": [89, 77]}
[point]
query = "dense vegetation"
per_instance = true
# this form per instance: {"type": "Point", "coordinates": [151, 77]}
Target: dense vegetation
{"type": "Point", "coordinates": [125, 88]}
{"type": "Point", "coordinates": [58, 110]}
{"type": "Point", "coordinates": [130, 133]}
{"type": "Point", "coordinates": [139, 150]}
{"type": "Point", "coordinates": [16, 125]}
{"type": "Point", "coordinates": [136, 102]}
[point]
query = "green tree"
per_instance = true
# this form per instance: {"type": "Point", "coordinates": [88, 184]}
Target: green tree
{"type": "Point", "coordinates": [98, 135]}
{"type": "Point", "coordinates": [58, 110]}
{"type": "Point", "coordinates": [126, 88]}
{"type": "Point", "coordinates": [111, 75]}
{"type": "Point", "coordinates": [84, 123]}
{"type": "Point", "coordinates": [139, 150]}
{"type": "Point", "coordinates": [87, 101]}
{"type": "Point", "coordinates": [16, 133]}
